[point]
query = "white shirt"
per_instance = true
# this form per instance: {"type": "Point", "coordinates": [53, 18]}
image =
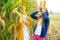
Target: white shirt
{"type": "Point", "coordinates": [26, 33]}
{"type": "Point", "coordinates": [38, 28]}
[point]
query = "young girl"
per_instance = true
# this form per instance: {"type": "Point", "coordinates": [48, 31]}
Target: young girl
{"type": "Point", "coordinates": [26, 24]}
{"type": "Point", "coordinates": [38, 29]}
{"type": "Point", "coordinates": [22, 26]}
{"type": "Point", "coordinates": [26, 32]}
{"type": "Point", "coordinates": [45, 22]}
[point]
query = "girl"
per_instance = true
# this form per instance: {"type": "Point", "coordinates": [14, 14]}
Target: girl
{"type": "Point", "coordinates": [23, 32]}
{"type": "Point", "coordinates": [26, 24]}
{"type": "Point", "coordinates": [26, 32]}
{"type": "Point", "coordinates": [45, 23]}
{"type": "Point", "coordinates": [24, 35]}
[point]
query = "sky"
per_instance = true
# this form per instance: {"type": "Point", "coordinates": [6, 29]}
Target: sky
{"type": "Point", "coordinates": [52, 5]}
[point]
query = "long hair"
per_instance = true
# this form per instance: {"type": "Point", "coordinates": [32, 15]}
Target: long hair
{"type": "Point", "coordinates": [48, 15]}
{"type": "Point", "coordinates": [47, 12]}
{"type": "Point", "coordinates": [42, 15]}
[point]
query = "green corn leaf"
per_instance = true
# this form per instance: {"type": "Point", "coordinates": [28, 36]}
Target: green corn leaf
{"type": "Point", "coordinates": [6, 5]}
{"type": "Point", "coordinates": [17, 2]}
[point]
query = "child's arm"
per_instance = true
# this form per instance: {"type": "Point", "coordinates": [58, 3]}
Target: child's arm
{"type": "Point", "coordinates": [33, 15]}
{"type": "Point", "coordinates": [46, 17]}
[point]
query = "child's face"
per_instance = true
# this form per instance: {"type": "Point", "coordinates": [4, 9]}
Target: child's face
{"type": "Point", "coordinates": [39, 14]}
{"type": "Point", "coordinates": [25, 18]}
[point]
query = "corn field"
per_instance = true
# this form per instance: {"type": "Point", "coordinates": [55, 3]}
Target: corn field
{"type": "Point", "coordinates": [9, 19]}
{"type": "Point", "coordinates": [53, 32]}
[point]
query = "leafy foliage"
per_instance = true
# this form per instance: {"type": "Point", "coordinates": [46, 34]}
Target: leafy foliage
{"type": "Point", "coordinates": [10, 18]}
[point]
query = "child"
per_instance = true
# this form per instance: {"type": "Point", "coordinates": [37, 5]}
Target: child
{"type": "Point", "coordinates": [23, 32]}
{"type": "Point", "coordinates": [38, 29]}
{"type": "Point", "coordinates": [27, 22]}
{"type": "Point", "coordinates": [24, 27]}
{"type": "Point", "coordinates": [26, 32]}
{"type": "Point", "coordinates": [45, 23]}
